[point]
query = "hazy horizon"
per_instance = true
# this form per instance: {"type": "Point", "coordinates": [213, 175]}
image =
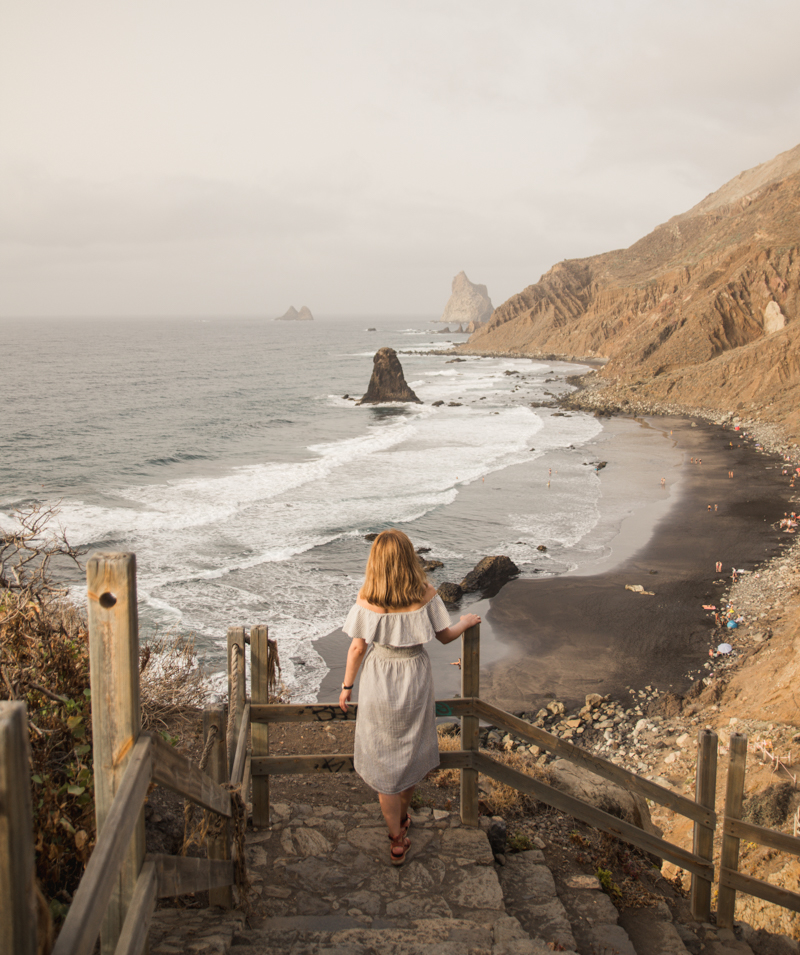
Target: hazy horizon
{"type": "Point", "coordinates": [189, 160]}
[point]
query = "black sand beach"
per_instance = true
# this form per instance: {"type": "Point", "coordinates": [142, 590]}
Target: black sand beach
{"type": "Point", "coordinates": [563, 637]}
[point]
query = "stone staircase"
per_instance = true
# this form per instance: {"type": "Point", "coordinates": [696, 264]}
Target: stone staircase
{"type": "Point", "coordinates": [322, 885]}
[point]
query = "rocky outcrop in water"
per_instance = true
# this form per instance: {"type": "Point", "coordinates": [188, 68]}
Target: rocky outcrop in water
{"type": "Point", "coordinates": [703, 312]}
{"type": "Point", "coordinates": [388, 383]}
{"type": "Point", "coordinates": [489, 574]}
{"type": "Point", "coordinates": [469, 304]}
{"type": "Point", "coordinates": [292, 315]}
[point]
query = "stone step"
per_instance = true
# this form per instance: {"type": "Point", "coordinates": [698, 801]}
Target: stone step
{"type": "Point", "coordinates": [319, 936]}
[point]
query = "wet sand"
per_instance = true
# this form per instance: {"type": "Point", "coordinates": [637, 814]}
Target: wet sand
{"type": "Point", "coordinates": [583, 632]}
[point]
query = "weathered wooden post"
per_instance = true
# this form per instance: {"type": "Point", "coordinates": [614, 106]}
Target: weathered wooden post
{"type": "Point", "coordinates": [237, 688]}
{"type": "Point", "coordinates": [705, 795]}
{"type": "Point", "coordinates": [17, 874]}
{"type": "Point", "coordinates": [116, 713]}
{"type": "Point", "coordinates": [729, 854]}
{"type": "Point", "coordinates": [470, 738]}
{"type": "Point", "coordinates": [259, 732]}
{"type": "Point", "coordinates": [219, 847]}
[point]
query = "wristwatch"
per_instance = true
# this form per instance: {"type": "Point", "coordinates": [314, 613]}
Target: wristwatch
{"type": "Point", "coordinates": [348, 687]}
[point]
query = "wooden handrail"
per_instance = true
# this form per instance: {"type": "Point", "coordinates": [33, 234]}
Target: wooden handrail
{"type": "Point", "coordinates": [596, 764]}
{"type": "Point", "coordinates": [337, 763]}
{"type": "Point", "coordinates": [331, 712]}
{"type": "Point", "coordinates": [763, 837]}
{"type": "Point", "coordinates": [594, 817]}
{"type": "Point", "coordinates": [735, 881]}
{"type": "Point", "coordinates": [17, 873]}
{"type": "Point", "coordinates": [237, 767]}
{"type": "Point", "coordinates": [133, 937]}
{"type": "Point", "coordinates": [82, 925]}
{"type": "Point", "coordinates": [177, 772]}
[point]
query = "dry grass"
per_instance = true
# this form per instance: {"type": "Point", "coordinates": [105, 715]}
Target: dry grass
{"type": "Point", "coordinates": [44, 662]}
{"type": "Point", "coordinates": [499, 799]}
{"type": "Point", "coordinates": [172, 684]}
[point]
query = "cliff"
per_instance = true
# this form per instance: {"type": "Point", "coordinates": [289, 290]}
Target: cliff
{"type": "Point", "coordinates": [469, 304]}
{"type": "Point", "coordinates": [702, 312]}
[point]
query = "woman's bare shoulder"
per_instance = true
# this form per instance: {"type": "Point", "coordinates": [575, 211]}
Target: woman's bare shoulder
{"type": "Point", "coordinates": [368, 606]}
{"type": "Point", "coordinates": [430, 593]}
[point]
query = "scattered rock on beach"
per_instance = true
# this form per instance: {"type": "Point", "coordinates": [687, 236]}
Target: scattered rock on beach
{"type": "Point", "coordinates": [489, 572]}
{"type": "Point", "coordinates": [388, 383]}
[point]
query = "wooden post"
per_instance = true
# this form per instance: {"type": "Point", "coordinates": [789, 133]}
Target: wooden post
{"type": "Point", "coordinates": [705, 795]}
{"type": "Point", "coordinates": [259, 732]}
{"type": "Point", "coordinates": [116, 715]}
{"type": "Point", "coordinates": [729, 854]}
{"type": "Point", "coordinates": [235, 706]}
{"type": "Point", "coordinates": [17, 874]}
{"type": "Point", "coordinates": [470, 738]}
{"type": "Point", "coordinates": [217, 768]}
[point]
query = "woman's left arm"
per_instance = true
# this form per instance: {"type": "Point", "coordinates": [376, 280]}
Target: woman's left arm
{"type": "Point", "coordinates": [355, 655]}
{"type": "Point", "coordinates": [454, 631]}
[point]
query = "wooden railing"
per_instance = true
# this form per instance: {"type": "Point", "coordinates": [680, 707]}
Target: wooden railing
{"type": "Point", "coordinates": [119, 888]}
{"type": "Point", "coordinates": [733, 830]}
{"type": "Point", "coordinates": [471, 710]}
{"type": "Point", "coordinates": [118, 892]}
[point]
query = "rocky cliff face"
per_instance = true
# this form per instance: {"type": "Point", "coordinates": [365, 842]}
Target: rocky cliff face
{"type": "Point", "coordinates": [388, 383]}
{"type": "Point", "coordinates": [469, 304]}
{"type": "Point", "coordinates": [292, 315]}
{"type": "Point", "coordinates": [704, 311]}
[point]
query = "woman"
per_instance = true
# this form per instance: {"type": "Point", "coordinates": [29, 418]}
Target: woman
{"type": "Point", "coordinates": [397, 613]}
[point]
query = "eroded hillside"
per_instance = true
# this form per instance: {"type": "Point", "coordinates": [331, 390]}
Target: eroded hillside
{"type": "Point", "coordinates": [701, 312]}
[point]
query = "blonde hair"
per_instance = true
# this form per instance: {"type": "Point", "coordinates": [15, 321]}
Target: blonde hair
{"type": "Point", "coordinates": [394, 578]}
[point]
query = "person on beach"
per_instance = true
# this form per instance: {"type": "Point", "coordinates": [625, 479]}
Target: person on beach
{"type": "Point", "coordinates": [397, 612]}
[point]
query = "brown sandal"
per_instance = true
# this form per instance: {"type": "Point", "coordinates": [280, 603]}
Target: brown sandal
{"type": "Point", "coordinates": [399, 843]}
{"type": "Point", "coordinates": [405, 824]}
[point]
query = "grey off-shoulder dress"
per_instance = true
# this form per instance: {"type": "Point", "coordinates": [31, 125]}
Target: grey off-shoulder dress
{"type": "Point", "coordinates": [395, 740]}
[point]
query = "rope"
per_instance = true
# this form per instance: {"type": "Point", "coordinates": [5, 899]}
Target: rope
{"type": "Point", "coordinates": [233, 702]}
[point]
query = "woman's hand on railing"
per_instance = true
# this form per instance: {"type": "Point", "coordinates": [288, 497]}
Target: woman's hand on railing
{"type": "Point", "coordinates": [344, 699]}
{"type": "Point", "coordinates": [470, 620]}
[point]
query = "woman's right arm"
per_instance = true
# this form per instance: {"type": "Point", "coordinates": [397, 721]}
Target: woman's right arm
{"type": "Point", "coordinates": [454, 631]}
{"type": "Point", "coordinates": [355, 655]}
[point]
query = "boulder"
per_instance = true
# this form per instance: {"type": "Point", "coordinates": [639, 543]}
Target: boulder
{"type": "Point", "coordinates": [388, 382]}
{"type": "Point", "coordinates": [469, 304]}
{"type": "Point", "coordinates": [292, 315]}
{"type": "Point", "coordinates": [488, 573]}
{"type": "Point", "coordinates": [450, 593]}
{"type": "Point", "coordinates": [602, 793]}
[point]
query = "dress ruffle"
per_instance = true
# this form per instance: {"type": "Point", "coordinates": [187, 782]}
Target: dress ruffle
{"type": "Point", "coordinates": [406, 629]}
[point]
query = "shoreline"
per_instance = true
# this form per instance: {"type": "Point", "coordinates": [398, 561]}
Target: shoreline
{"type": "Point", "coordinates": [582, 632]}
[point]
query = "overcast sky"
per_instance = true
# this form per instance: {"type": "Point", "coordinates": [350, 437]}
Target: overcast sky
{"type": "Point", "coordinates": [189, 157]}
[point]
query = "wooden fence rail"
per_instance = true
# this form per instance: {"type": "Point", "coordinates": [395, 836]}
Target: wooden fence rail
{"type": "Point", "coordinates": [470, 709]}
{"type": "Point", "coordinates": [733, 830]}
{"type": "Point", "coordinates": [17, 875]}
{"type": "Point", "coordinates": [118, 893]}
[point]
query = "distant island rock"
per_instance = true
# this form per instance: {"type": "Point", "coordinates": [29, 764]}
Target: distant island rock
{"type": "Point", "coordinates": [388, 383]}
{"type": "Point", "coordinates": [468, 305]}
{"type": "Point", "coordinates": [292, 315]}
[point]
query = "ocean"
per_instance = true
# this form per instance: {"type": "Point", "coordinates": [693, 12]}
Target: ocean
{"type": "Point", "coordinates": [224, 453]}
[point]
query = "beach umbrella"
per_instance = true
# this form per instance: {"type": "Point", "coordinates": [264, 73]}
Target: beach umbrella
{"type": "Point", "coordinates": [724, 648]}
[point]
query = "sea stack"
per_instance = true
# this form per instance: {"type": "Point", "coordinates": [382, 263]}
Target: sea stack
{"type": "Point", "coordinates": [292, 315]}
{"type": "Point", "coordinates": [388, 383]}
{"type": "Point", "coordinates": [468, 305]}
